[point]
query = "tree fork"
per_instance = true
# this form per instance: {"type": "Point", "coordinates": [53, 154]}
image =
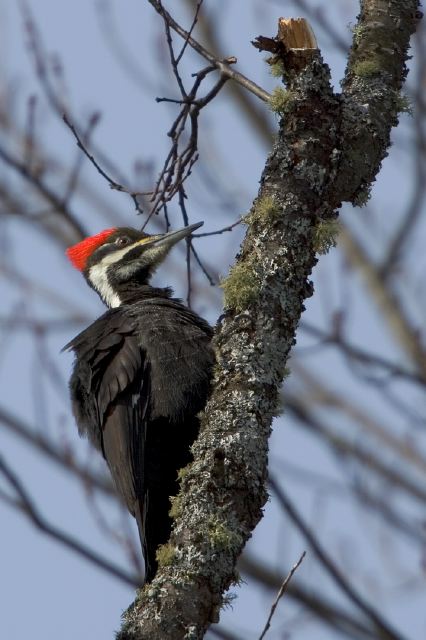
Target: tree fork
{"type": "Point", "coordinates": [320, 158]}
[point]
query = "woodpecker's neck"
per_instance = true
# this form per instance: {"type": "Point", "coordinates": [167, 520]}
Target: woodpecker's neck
{"type": "Point", "coordinates": [116, 293]}
{"type": "Point", "coordinates": [133, 291]}
{"type": "Point", "coordinates": [98, 279]}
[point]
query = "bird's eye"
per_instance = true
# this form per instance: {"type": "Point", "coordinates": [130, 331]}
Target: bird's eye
{"type": "Point", "coordinates": [122, 241]}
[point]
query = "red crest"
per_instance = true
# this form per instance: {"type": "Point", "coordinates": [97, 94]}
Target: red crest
{"type": "Point", "coordinates": [79, 253]}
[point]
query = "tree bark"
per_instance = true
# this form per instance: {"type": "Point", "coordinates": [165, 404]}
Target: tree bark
{"type": "Point", "coordinates": [328, 149]}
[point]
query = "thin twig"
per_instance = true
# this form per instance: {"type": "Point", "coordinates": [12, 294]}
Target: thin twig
{"type": "Point", "coordinates": [200, 263]}
{"type": "Point", "coordinates": [385, 298]}
{"type": "Point", "coordinates": [188, 246]}
{"type": "Point", "coordinates": [191, 29]}
{"type": "Point", "coordinates": [386, 631]}
{"type": "Point", "coordinates": [221, 65]}
{"type": "Point", "coordinates": [30, 132]}
{"type": "Point", "coordinates": [333, 616]}
{"type": "Point", "coordinates": [230, 227]}
{"type": "Point", "coordinates": [112, 183]}
{"type": "Point", "coordinates": [179, 162]}
{"type": "Point", "coordinates": [281, 592]}
{"type": "Point", "coordinates": [247, 106]}
{"type": "Point", "coordinates": [74, 173]}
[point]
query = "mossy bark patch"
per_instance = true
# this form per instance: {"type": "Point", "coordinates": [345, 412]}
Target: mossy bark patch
{"type": "Point", "coordinates": [165, 554]}
{"type": "Point", "coordinates": [280, 100]}
{"type": "Point", "coordinates": [265, 210]}
{"type": "Point", "coordinates": [241, 287]}
{"type": "Point", "coordinates": [325, 235]}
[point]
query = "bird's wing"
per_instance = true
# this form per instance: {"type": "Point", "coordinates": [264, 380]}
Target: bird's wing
{"type": "Point", "coordinates": [122, 391]}
{"type": "Point", "coordinates": [112, 374]}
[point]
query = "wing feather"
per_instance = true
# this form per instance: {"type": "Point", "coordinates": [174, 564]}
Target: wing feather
{"type": "Point", "coordinates": [111, 374]}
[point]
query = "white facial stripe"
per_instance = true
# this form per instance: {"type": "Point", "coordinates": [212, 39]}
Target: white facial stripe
{"type": "Point", "coordinates": [98, 273]}
{"type": "Point", "coordinates": [98, 278]}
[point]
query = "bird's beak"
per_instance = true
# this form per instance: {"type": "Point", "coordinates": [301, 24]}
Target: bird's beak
{"type": "Point", "coordinates": [169, 239]}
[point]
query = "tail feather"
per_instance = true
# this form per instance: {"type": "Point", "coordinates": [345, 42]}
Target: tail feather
{"type": "Point", "coordinates": [147, 557]}
{"type": "Point", "coordinates": [167, 450]}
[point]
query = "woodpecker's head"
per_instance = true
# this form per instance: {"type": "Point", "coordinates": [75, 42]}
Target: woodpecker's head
{"type": "Point", "coordinates": [118, 259]}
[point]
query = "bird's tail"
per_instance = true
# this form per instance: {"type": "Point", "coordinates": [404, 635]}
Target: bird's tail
{"type": "Point", "coordinates": [154, 524]}
{"type": "Point", "coordinates": [167, 451]}
{"type": "Point", "coordinates": [140, 515]}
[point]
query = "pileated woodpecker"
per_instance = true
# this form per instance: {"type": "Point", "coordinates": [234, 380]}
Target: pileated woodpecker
{"type": "Point", "coordinates": [141, 374]}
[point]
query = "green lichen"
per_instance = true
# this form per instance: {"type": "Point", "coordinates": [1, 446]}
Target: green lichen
{"type": "Point", "coordinates": [237, 579]}
{"type": "Point", "coordinates": [276, 68]}
{"type": "Point", "coordinates": [220, 536]}
{"type": "Point", "coordinates": [403, 104]}
{"type": "Point", "coordinates": [165, 554]}
{"type": "Point", "coordinates": [227, 600]}
{"type": "Point", "coordinates": [176, 508]}
{"type": "Point", "coordinates": [241, 287]}
{"type": "Point", "coordinates": [324, 235]}
{"type": "Point", "coordinates": [280, 100]}
{"type": "Point", "coordinates": [358, 32]}
{"type": "Point", "coordinates": [367, 68]}
{"type": "Point", "coordinates": [217, 368]}
{"type": "Point", "coordinates": [182, 473]}
{"type": "Point", "coordinates": [131, 608]}
{"type": "Point", "coordinates": [362, 196]}
{"type": "Point", "coordinates": [264, 210]}
{"type": "Point", "coordinates": [279, 407]}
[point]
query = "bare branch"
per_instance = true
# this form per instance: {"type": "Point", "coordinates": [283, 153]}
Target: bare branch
{"type": "Point", "coordinates": [229, 227]}
{"type": "Point", "coordinates": [180, 161]}
{"type": "Point", "coordinates": [386, 300]}
{"type": "Point", "coordinates": [384, 630]}
{"type": "Point", "coordinates": [112, 183]}
{"type": "Point", "coordinates": [333, 616]}
{"type": "Point", "coordinates": [371, 89]}
{"type": "Point", "coordinates": [222, 66]}
{"type": "Point", "coordinates": [281, 592]}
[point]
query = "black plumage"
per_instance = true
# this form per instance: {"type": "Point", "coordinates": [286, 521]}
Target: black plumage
{"type": "Point", "coordinates": [141, 375]}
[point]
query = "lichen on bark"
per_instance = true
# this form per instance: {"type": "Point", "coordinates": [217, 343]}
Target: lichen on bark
{"type": "Point", "coordinates": [322, 155]}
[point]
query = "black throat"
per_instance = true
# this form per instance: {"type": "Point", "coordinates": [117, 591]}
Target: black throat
{"type": "Point", "coordinates": [134, 290]}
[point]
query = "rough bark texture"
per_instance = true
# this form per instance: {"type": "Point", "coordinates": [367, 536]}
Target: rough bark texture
{"type": "Point", "coordinates": [328, 149]}
{"type": "Point", "coordinates": [371, 97]}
